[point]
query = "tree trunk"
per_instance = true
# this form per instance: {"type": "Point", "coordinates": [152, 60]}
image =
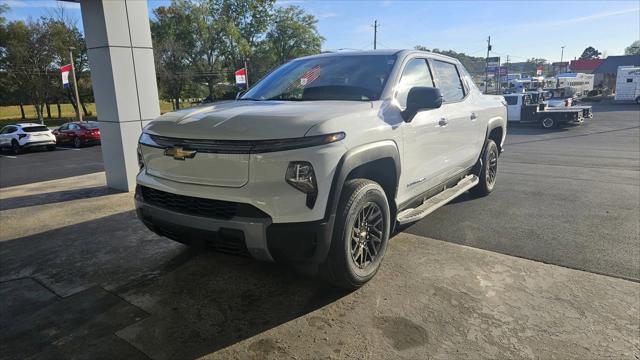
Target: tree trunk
{"type": "Point", "coordinates": [84, 108]}
{"type": "Point", "coordinates": [177, 103]}
{"type": "Point", "coordinates": [210, 86]}
{"type": "Point", "coordinates": [22, 110]}
{"type": "Point", "coordinates": [48, 111]}
{"type": "Point", "coordinates": [39, 113]}
{"type": "Point", "coordinates": [59, 112]}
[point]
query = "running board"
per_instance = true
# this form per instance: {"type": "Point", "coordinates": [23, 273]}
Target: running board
{"type": "Point", "coordinates": [435, 202]}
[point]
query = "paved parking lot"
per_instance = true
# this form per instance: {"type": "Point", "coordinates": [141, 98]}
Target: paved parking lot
{"type": "Point", "coordinates": [87, 280]}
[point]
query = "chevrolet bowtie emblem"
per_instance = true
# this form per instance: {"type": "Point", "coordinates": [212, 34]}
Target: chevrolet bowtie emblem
{"type": "Point", "coordinates": [179, 153]}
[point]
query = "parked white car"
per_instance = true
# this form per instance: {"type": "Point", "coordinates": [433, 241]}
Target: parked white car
{"type": "Point", "coordinates": [321, 159]}
{"type": "Point", "coordinates": [27, 135]}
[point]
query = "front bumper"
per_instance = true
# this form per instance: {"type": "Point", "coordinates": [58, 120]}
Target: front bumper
{"type": "Point", "coordinates": [257, 237]}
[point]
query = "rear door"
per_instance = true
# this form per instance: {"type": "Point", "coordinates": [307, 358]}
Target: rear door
{"type": "Point", "coordinates": [461, 118]}
{"type": "Point", "coordinates": [424, 138]}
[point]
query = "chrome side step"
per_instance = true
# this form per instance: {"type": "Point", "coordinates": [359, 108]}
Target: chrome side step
{"type": "Point", "coordinates": [435, 202]}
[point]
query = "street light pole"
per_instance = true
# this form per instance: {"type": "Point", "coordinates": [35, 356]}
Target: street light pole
{"type": "Point", "coordinates": [75, 85]}
{"type": "Point", "coordinates": [561, 55]}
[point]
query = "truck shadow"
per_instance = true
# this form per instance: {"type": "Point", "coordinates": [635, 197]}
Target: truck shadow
{"type": "Point", "coordinates": [196, 301]}
{"type": "Point", "coordinates": [55, 197]}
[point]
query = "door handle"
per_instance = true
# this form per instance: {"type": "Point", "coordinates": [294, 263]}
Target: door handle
{"type": "Point", "coordinates": [473, 116]}
{"type": "Point", "coordinates": [443, 122]}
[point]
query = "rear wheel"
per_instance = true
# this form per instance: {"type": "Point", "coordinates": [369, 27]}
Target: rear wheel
{"type": "Point", "coordinates": [51, 147]}
{"type": "Point", "coordinates": [488, 171]}
{"type": "Point", "coordinates": [77, 143]}
{"type": "Point", "coordinates": [360, 235]}
{"type": "Point", "coordinates": [549, 123]}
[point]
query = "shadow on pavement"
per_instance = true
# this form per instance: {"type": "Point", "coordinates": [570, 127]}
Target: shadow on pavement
{"type": "Point", "coordinates": [113, 276]}
{"type": "Point", "coordinates": [55, 197]}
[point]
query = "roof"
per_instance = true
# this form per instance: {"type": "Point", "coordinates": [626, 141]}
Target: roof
{"type": "Point", "coordinates": [610, 64]}
{"type": "Point", "coordinates": [585, 65]}
{"type": "Point", "coordinates": [28, 124]}
{"type": "Point", "coordinates": [387, 52]}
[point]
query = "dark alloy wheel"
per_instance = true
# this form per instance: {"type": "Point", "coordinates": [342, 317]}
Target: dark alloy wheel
{"type": "Point", "coordinates": [77, 143]}
{"type": "Point", "coordinates": [360, 234]}
{"type": "Point", "coordinates": [488, 170]}
{"type": "Point", "coordinates": [366, 235]}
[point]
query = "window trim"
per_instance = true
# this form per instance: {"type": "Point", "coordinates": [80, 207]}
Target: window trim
{"type": "Point", "coordinates": [404, 67]}
{"type": "Point", "coordinates": [465, 92]}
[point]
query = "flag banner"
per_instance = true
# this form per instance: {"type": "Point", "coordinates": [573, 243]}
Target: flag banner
{"type": "Point", "coordinates": [241, 78]}
{"type": "Point", "coordinates": [309, 76]}
{"type": "Point", "coordinates": [539, 70]}
{"type": "Point", "coordinates": [65, 75]}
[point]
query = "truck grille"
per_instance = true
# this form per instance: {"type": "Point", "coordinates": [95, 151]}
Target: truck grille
{"type": "Point", "coordinates": [189, 205]}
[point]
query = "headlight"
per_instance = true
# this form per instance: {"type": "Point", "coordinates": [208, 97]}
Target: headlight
{"type": "Point", "coordinates": [301, 176]}
{"type": "Point", "coordinates": [140, 158]}
{"type": "Point", "coordinates": [146, 139]}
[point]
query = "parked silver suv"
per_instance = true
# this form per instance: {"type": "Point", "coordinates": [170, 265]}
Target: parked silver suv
{"type": "Point", "coordinates": [321, 159]}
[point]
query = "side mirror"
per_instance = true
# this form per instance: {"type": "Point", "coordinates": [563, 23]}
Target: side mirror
{"type": "Point", "coordinates": [421, 98]}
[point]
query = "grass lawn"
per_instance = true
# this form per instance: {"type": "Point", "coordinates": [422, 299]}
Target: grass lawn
{"type": "Point", "coordinates": [11, 114]}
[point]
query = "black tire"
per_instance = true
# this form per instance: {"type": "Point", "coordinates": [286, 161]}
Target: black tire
{"type": "Point", "coordinates": [488, 170]}
{"type": "Point", "coordinates": [346, 266]}
{"type": "Point", "coordinates": [77, 143]}
{"type": "Point", "coordinates": [549, 122]}
{"type": "Point", "coordinates": [638, 100]}
{"type": "Point", "coordinates": [51, 147]}
{"type": "Point", "coordinates": [15, 147]}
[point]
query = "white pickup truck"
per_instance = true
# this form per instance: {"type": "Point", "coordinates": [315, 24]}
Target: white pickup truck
{"type": "Point", "coordinates": [322, 159]}
{"type": "Point", "coordinates": [530, 108]}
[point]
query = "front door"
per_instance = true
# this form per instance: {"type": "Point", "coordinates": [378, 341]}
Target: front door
{"type": "Point", "coordinates": [424, 138]}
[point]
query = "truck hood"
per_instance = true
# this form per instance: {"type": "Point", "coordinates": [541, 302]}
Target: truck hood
{"type": "Point", "coordinates": [251, 120]}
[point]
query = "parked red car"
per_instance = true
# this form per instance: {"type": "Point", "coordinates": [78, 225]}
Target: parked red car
{"type": "Point", "coordinates": [78, 133]}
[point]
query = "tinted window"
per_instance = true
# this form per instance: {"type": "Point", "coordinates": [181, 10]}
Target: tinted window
{"type": "Point", "coordinates": [64, 127]}
{"type": "Point", "coordinates": [4, 130]}
{"type": "Point", "coordinates": [35, 128]}
{"type": "Point", "coordinates": [356, 78]}
{"type": "Point", "coordinates": [448, 81]}
{"type": "Point", "coordinates": [511, 100]}
{"type": "Point", "coordinates": [91, 125]}
{"type": "Point", "coordinates": [415, 73]}
{"type": "Point", "coordinates": [74, 127]}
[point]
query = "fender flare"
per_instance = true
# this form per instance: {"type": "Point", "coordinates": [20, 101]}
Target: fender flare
{"type": "Point", "coordinates": [352, 159]}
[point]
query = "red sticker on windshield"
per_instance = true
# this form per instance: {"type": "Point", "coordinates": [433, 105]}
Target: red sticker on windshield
{"type": "Point", "coordinates": [309, 76]}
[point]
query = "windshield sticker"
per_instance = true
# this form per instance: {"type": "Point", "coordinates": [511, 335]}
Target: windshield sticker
{"type": "Point", "coordinates": [309, 76]}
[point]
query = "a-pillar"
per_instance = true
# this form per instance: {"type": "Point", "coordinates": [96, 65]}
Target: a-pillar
{"type": "Point", "coordinates": [123, 75]}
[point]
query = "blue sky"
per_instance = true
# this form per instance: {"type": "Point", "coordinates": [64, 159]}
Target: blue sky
{"type": "Point", "coordinates": [521, 29]}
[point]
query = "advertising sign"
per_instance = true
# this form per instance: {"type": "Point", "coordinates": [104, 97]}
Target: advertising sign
{"type": "Point", "coordinates": [241, 78]}
{"type": "Point", "coordinates": [65, 75]}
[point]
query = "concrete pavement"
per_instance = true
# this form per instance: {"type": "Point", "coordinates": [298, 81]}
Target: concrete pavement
{"type": "Point", "coordinates": [92, 282]}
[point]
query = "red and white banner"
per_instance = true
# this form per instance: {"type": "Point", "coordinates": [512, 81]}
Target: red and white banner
{"type": "Point", "coordinates": [65, 75]}
{"type": "Point", "coordinates": [539, 70]}
{"type": "Point", "coordinates": [241, 78]}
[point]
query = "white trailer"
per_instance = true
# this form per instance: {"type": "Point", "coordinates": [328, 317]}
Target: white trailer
{"type": "Point", "coordinates": [628, 84]}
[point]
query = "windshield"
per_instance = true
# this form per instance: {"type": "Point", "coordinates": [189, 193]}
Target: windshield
{"type": "Point", "coordinates": [91, 125]}
{"type": "Point", "coordinates": [354, 78]}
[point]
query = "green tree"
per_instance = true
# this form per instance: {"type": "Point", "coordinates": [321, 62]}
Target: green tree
{"type": "Point", "coordinates": [590, 53]}
{"type": "Point", "coordinates": [172, 46]}
{"type": "Point", "coordinates": [633, 49]}
{"type": "Point", "coordinates": [28, 60]}
{"type": "Point", "coordinates": [293, 34]}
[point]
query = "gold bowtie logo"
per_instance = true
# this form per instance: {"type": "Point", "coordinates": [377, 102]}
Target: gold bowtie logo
{"type": "Point", "coordinates": [179, 153]}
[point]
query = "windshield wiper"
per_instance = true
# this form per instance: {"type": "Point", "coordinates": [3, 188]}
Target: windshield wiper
{"type": "Point", "coordinates": [251, 99]}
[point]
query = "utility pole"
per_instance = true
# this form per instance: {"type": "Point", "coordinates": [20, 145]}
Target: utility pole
{"type": "Point", "coordinates": [561, 55]}
{"type": "Point", "coordinates": [75, 85]}
{"type": "Point", "coordinates": [486, 79]}
{"type": "Point", "coordinates": [375, 34]}
{"type": "Point", "coordinates": [246, 74]}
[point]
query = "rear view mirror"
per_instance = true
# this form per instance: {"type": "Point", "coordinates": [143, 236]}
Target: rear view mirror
{"type": "Point", "coordinates": [421, 98]}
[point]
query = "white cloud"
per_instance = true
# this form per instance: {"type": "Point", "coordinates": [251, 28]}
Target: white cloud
{"type": "Point", "coordinates": [326, 15]}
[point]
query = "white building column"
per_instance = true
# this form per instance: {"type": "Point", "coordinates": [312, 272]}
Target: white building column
{"type": "Point", "coordinates": [123, 75]}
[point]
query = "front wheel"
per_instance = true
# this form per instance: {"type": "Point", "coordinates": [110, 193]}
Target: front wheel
{"type": "Point", "coordinates": [15, 147]}
{"type": "Point", "coordinates": [488, 171]}
{"type": "Point", "coordinates": [360, 235]}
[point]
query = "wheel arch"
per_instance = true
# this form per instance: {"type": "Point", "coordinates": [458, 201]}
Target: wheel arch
{"type": "Point", "coordinates": [365, 160]}
{"type": "Point", "coordinates": [497, 131]}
